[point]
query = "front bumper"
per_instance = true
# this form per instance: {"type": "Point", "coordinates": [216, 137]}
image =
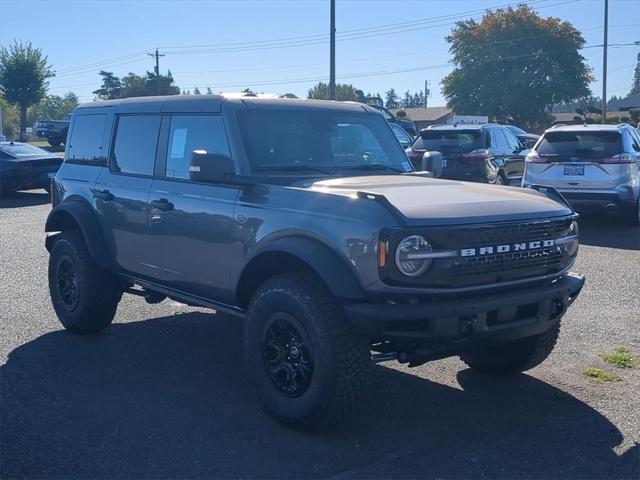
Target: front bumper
{"type": "Point", "coordinates": [451, 326]}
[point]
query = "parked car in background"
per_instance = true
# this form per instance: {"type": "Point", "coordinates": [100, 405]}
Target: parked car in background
{"type": "Point", "coordinates": [24, 166]}
{"type": "Point", "coordinates": [403, 137]}
{"type": "Point", "coordinates": [487, 153]}
{"type": "Point", "coordinates": [55, 131]}
{"type": "Point", "coordinates": [407, 125]}
{"type": "Point", "coordinates": [593, 166]}
{"type": "Point", "coordinates": [527, 140]}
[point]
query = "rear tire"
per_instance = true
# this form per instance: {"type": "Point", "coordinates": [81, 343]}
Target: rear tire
{"type": "Point", "coordinates": [54, 142]}
{"type": "Point", "coordinates": [500, 180]}
{"type": "Point", "coordinates": [84, 296]}
{"type": "Point", "coordinates": [513, 357]}
{"type": "Point", "coordinates": [308, 367]}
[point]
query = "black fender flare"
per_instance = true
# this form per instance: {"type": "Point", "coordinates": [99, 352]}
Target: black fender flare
{"type": "Point", "coordinates": [77, 214]}
{"type": "Point", "coordinates": [325, 262]}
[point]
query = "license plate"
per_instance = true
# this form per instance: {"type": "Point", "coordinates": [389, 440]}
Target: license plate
{"type": "Point", "coordinates": [574, 169]}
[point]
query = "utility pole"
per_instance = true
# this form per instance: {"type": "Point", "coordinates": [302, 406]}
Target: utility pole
{"type": "Point", "coordinates": [157, 69]}
{"type": "Point", "coordinates": [332, 53]}
{"type": "Point", "coordinates": [426, 93]}
{"type": "Point", "coordinates": [604, 61]}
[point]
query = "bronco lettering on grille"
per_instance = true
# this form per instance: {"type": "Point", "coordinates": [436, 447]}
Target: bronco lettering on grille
{"type": "Point", "coordinates": [515, 247]}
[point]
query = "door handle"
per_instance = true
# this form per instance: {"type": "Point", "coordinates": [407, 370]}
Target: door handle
{"type": "Point", "coordinates": [104, 195]}
{"type": "Point", "coordinates": [162, 204]}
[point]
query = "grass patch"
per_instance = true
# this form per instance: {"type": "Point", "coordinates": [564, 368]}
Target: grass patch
{"type": "Point", "coordinates": [620, 358]}
{"type": "Point", "coordinates": [600, 375]}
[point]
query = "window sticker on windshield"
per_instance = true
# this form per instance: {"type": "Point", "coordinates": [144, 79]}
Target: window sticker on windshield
{"type": "Point", "coordinates": [406, 166]}
{"type": "Point", "coordinates": [179, 142]}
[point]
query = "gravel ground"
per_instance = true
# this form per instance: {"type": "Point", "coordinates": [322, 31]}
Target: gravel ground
{"type": "Point", "coordinates": [162, 394]}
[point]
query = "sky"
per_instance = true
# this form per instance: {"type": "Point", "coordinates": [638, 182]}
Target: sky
{"type": "Point", "coordinates": [279, 46]}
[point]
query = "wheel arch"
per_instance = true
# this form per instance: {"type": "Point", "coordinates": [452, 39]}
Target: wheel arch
{"type": "Point", "coordinates": [290, 254]}
{"type": "Point", "coordinates": [75, 214]}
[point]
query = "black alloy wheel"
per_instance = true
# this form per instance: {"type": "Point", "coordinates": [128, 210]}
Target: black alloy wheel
{"type": "Point", "coordinates": [287, 354]}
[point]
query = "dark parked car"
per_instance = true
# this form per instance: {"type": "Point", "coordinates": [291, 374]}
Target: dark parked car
{"type": "Point", "coordinates": [55, 131]}
{"type": "Point", "coordinates": [305, 220]}
{"type": "Point", "coordinates": [527, 140]}
{"type": "Point", "coordinates": [488, 153]}
{"type": "Point", "coordinates": [24, 166]}
{"type": "Point", "coordinates": [401, 134]}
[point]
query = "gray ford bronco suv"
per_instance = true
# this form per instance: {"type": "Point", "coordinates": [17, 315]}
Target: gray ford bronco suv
{"type": "Point", "coordinates": [305, 220]}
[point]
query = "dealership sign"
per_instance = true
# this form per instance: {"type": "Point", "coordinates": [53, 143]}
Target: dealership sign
{"type": "Point", "coordinates": [462, 120]}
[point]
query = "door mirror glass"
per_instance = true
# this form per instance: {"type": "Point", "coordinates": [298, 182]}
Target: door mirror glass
{"type": "Point", "coordinates": [210, 167]}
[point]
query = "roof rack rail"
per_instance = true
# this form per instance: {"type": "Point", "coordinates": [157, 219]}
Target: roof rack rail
{"type": "Point", "coordinates": [557, 125]}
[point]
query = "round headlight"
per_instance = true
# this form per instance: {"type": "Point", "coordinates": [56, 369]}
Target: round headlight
{"type": "Point", "coordinates": [572, 245]}
{"type": "Point", "coordinates": [408, 256]}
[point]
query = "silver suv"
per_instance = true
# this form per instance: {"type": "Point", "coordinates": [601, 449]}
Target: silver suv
{"type": "Point", "coordinates": [591, 165]}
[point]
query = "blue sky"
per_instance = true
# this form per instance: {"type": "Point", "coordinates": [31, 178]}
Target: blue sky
{"type": "Point", "coordinates": [282, 46]}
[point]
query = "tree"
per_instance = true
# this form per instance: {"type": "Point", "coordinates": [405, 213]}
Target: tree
{"type": "Point", "coordinates": [635, 87]}
{"type": "Point", "coordinates": [516, 64]}
{"type": "Point", "coordinates": [53, 107]}
{"type": "Point", "coordinates": [133, 85]}
{"type": "Point", "coordinates": [10, 120]}
{"type": "Point", "coordinates": [196, 91]}
{"type": "Point", "coordinates": [391, 99]}
{"type": "Point", "coordinates": [209, 92]}
{"type": "Point", "coordinates": [344, 92]}
{"type": "Point", "coordinates": [23, 77]}
{"type": "Point", "coordinates": [111, 86]}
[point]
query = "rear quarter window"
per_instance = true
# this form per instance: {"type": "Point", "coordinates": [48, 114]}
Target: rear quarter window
{"type": "Point", "coordinates": [449, 140]}
{"type": "Point", "coordinates": [86, 140]}
{"type": "Point", "coordinates": [580, 145]}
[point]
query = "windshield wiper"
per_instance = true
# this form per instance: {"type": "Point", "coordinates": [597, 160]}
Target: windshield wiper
{"type": "Point", "coordinates": [292, 168]}
{"type": "Point", "coordinates": [370, 167]}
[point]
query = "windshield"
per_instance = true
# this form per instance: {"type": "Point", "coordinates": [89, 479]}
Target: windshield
{"type": "Point", "coordinates": [454, 140]}
{"type": "Point", "coordinates": [515, 130]}
{"type": "Point", "coordinates": [580, 145]}
{"type": "Point", "coordinates": [307, 142]}
{"type": "Point", "coordinates": [403, 137]}
{"type": "Point", "coordinates": [22, 150]}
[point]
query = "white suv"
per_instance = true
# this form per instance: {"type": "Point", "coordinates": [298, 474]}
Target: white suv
{"type": "Point", "coordinates": [593, 166]}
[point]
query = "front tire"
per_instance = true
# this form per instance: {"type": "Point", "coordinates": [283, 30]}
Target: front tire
{"type": "Point", "coordinates": [513, 357]}
{"type": "Point", "coordinates": [54, 142]}
{"type": "Point", "coordinates": [307, 365]}
{"type": "Point", "coordinates": [84, 296]}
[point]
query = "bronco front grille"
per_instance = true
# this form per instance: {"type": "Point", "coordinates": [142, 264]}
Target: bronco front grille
{"type": "Point", "coordinates": [502, 262]}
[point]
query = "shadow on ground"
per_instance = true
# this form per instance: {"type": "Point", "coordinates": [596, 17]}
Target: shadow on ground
{"type": "Point", "coordinates": [168, 398]}
{"type": "Point", "coordinates": [604, 231]}
{"type": "Point", "coordinates": [27, 198]}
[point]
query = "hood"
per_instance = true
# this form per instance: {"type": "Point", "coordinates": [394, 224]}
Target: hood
{"type": "Point", "coordinates": [427, 201]}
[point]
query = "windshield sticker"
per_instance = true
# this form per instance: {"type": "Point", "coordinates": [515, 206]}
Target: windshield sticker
{"type": "Point", "coordinates": [407, 166]}
{"type": "Point", "coordinates": [179, 143]}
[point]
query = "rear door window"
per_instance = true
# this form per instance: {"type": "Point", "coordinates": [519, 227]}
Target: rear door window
{"type": "Point", "coordinates": [85, 143]}
{"type": "Point", "coordinates": [134, 149]}
{"type": "Point", "coordinates": [512, 142]}
{"type": "Point", "coordinates": [580, 146]}
{"type": "Point", "coordinates": [458, 140]}
{"type": "Point", "coordinates": [498, 142]}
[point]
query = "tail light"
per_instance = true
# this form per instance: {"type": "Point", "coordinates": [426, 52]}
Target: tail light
{"type": "Point", "coordinates": [480, 154]}
{"type": "Point", "coordinates": [533, 157]}
{"type": "Point", "coordinates": [618, 159]}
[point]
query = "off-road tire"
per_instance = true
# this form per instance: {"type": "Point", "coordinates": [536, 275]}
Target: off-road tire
{"type": "Point", "coordinates": [342, 361]}
{"type": "Point", "coordinates": [500, 179]}
{"type": "Point", "coordinates": [513, 357]}
{"type": "Point", "coordinates": [54, 142]}
{"type": "Point", "coordinates": [97, 291]}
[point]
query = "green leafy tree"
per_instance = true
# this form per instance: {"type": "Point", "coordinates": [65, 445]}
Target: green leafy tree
{"type": "Point", "coordinates": [391, 99]}
{"type": "Point", "coordinates": [514, 63]}
{"type": "Point", "coordinates": [53, 107]}
{"type": "Point", "coordinates": [10, 120]}
{"type": "Point", "coordinates": [209, 92]}
{"type": "Point", "coordinates": [111, 86]}
{"type": "Point", "coordinates": [196, 91]}
{"type": "Point", "coordinates": [23, 78]}
{"type": "Point", "coordinates": [344, 92]}
{"type": "Point", "coordinates": [635, 115]}
{"type": "Point", "coordinates": [635, 87]}
{"type": "Point", "coordinates": [133, 85]}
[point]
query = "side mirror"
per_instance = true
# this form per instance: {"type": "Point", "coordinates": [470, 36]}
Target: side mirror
{"type": "Point", "coordinates": [210, 167]}
{"type": "Point", "coordinates": [432, 162]}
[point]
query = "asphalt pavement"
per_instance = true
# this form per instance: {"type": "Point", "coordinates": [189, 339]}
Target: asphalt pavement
{"type": "Point", "coordinates": [162, 392]}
